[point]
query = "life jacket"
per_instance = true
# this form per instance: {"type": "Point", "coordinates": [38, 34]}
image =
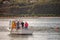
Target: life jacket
{"type": "Point", "coordinates": [13, 25]}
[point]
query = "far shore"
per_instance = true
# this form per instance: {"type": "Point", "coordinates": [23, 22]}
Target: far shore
{"type": "Point", "coordinates": [27, 17]}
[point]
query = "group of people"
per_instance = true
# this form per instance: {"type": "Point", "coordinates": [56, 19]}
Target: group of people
{"type": "Point", "coordinates": [18, 25]}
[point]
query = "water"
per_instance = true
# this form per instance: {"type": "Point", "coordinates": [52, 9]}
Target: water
{"type": "Point", "coordinates": [37, 35]}
{"type": "Point", "coordinates": [34, 22]}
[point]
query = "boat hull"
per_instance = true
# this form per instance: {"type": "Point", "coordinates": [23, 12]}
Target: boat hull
{"type": "Point", "coordinates": [23, 31]}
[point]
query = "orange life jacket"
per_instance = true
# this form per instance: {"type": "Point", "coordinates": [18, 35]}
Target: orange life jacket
{"type": "Point", "coordinates": [13, 25]}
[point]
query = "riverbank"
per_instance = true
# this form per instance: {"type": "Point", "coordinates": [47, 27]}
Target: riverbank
{"type": "Point", "coordinates": [28, 17]}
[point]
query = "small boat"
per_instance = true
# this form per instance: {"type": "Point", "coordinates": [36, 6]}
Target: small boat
{"type": "Point", "coordinates": [22, 32]}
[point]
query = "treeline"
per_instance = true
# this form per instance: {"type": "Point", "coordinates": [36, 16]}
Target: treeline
{"type": "Point", "coordinates": [32, 15]}
{"type": "Point", "coordinates": [48, 9]}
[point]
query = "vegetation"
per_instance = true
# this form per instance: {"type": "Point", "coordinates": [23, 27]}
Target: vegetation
{"type": "Point", "coordinates": [31, 9]}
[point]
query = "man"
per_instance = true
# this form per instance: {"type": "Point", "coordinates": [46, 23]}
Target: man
{"type": "Point", "coordinates": [22, 24]}
{"type": "Point", "coordinates": [17, 25]}
{"type": "Point", "coordinates": [26, 25]}
{"type": "Point", "coordinates": [13, 25]}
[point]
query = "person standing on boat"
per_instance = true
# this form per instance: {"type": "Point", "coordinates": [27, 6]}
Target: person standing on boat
{"type": "Point", "coordinates": [17, 25]}
{"type": "Point", "coordinates": [26, 24]}
{"type": "Point", "coordinates": [13, 25]}
{"type": "Point", "coordinates": [22, 24]}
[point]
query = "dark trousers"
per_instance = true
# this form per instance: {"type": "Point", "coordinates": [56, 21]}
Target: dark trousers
{"type": "Point", "coordinates": [22, 26]}
{"type": "Point", "coordinates": [18, 27]}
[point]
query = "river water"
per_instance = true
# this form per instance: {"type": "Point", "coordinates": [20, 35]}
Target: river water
{"type": "Point", "coordinates": [37, 35]}
{"type": "Point", "coordinates": [33, 22]}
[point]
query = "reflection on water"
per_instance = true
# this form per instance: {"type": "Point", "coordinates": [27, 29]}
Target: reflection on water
{"type": "Point", "coordinates": [39, 35]}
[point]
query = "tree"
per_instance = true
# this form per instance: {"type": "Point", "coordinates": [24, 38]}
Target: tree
{"type": "Point", "coordinates": [55, 0]}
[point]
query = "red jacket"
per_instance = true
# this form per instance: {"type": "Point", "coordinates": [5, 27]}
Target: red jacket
{"type": "Point", "coordinates": [26, 24]}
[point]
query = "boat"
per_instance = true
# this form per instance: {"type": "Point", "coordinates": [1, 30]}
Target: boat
{"type": "Point", "coordinates": [22, 32]}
